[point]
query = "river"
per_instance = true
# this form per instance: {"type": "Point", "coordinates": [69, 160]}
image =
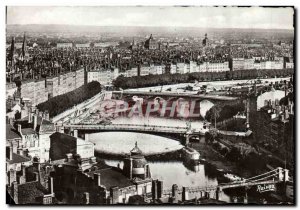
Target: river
{"type": "Point", "coordinates": [170, 172]}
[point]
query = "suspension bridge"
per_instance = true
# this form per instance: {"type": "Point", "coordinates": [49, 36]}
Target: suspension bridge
{"type": "Point", "coordinates": [266, 182]}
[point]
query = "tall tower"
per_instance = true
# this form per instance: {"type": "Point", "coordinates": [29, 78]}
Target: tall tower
{"type": "Point", "coordinates": [205, 41]}
{"type": "Point", "coordinates": [136, 166]}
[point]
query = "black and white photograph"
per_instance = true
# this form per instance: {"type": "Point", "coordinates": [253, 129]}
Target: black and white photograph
{"type": "Point", "coordinates": [150, 105]}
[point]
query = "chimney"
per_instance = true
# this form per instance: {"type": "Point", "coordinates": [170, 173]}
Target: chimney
{"type": "Point", "coordinates": [47, 117]}
{"type": "Point", "coordinates": [35, 121]}
{"type": "Point", "coordinates": [86, 137]}
{"type": "Point", "coordinates": [93, 159]}
{"type": "Point", "coordinates": [20, 128]}
{"type": "Point", "coordinates": [36, 163]}
{"type": "Point", "coordinates": [291, 108]}
{"type": "Point", "coordinates": [75, 132]}
{"type": "Point", "coordinates": [97, 178]}
{"type": "Point", "coordinates": [159, 188]}
{"type": "Point", "coordinates": [9, 153]}
{"type": "Point", "coordinates": [69, 157]}
{"type": "Point", "coordinates": [86, 198]}
{"type": "Point", "coordinates": [273, 104]}
{"type": "Point", "coordinates": [29, 116]}
{"type": "Point", "coordinates": [36, 111]}
{"type": "Point", "coordinates": [154, 190]}
{"type": "Point", "coordinates": [50, 184]}
{"type": "Point", "coordinates": [36, 175]}
{"type": "Point", "coordinates": [11, 120]}
{"type": "Point", "coordinates": [286, 114]}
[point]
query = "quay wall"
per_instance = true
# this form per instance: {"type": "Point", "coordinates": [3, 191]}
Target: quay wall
{"type": "Point", "coordinates": [86, 104]}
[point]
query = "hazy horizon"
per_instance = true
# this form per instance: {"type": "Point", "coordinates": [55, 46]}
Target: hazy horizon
{"type": "Point", "coordinates": [154, 16]}
{"type": "Point", "coordinates": [36, 24]}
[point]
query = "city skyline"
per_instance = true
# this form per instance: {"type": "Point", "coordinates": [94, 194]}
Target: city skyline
{"type": "Point", "coordinates": [221, 17]}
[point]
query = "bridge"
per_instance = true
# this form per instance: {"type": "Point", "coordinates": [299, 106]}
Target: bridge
{"type": "Point", "coordinates": [184, 130]}
{"type": "Point", "coordinates": [267, 180]}
{"type": "Point", "coordinates": [128, 127]}
{"type": "Point", "coordinates": [177, 95]}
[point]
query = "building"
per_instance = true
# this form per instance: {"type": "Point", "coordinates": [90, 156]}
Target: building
{"type": "Point", "coordinates": [87, 181]}
{"type": "Point", "coordinates": [238, 64]}
{"type": "Point", "coordinates": [214, 66]}
{"type": "Point", "coordinates": [205, 41]}
{"type": "Point", "coordinates": [150, 43]}
{"type": "Point", "coordinates": [39, 91]}
{"type": "Point", "coordinates": [64, 45]}
{"type": "Point", "coordinates": [82, 45]}
{"type": "Point", "coordinates": [135, 166]}
{"type": "Point", "coordinates": [103, 76]}
{"type": "Point", "coordinates": [173, 69]}
{"type": "Point", "coordinates": [273, 128]}
{"type": "Point", "coordinates": [20, 188]}
{"type": "Point", "coordinates": [145, 70]}
{"type": "Point", "coordinates": [35, 130]}
{"type": "Point", "coordinates": [63, 144]}
{"type": "Point", "coordinates": [15, 162]}
{"type": "Point", "coordinates": [193, 67]}
{"type": "Point", "coordinates": [181, 68]}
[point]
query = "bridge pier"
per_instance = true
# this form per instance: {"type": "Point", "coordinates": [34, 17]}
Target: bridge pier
{"type": "Point", "coordinates": [219, 193]}
{"type": "Point", "coordinates": [246, 196]}
{"type": "Point", "coordinates": [207, 195]}
{"type": "Point", "coordinates": [75, 133]}
{"type": "Point", "coordinates": [175, 193]}
{"type": "Point", "coordinates": [185, 194]}
{"type": "Point", "coordinates": [86, 136]}
{"type": "Point", "coordinates": [61, 129]}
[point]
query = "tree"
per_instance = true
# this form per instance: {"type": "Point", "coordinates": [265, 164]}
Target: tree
{"type": "Point", "coordinates": [60, 103]}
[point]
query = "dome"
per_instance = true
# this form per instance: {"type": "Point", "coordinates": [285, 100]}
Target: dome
{"type": "Point", "coordinates": [136, 150]}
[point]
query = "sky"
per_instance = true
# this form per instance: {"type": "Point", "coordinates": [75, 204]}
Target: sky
{"type": "Point", "coordinates": [204, 17]}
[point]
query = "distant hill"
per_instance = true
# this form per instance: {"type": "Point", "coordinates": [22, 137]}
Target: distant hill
{"type": "Point", "coordinates": [133, 30]}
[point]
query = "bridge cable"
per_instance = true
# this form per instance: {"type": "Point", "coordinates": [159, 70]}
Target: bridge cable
{"type": "Point", "coordinates": [264, 177]}
{"type": "Point", "coordinates": [261, 174]}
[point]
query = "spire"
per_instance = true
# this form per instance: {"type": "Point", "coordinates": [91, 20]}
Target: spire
{"type": "Point", "coordinates": [12, 49]}
{"type": "Point", "coordinates": [136, 150]}
{"type": "Point", "coordinates": [24, 45]}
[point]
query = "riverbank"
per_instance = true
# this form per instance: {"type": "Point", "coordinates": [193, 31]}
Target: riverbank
{"type": "Point", "coordinates": [210, 156]}
{"type": "Point", "coordinates": [166, 156]}
{"type": "Point", "coordinates": [168, 79]}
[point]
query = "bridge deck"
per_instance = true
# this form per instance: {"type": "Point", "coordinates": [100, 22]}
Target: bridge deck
{"type": "Point", "coordinates": [183, 95]}
{"type": "Point", "coordinates": [147, 128]}
{"type": "Point", "coordinates": [246, 184]}
{"type": "Point", "coordinates": [129, 127]}
{"type": "Point", "coordinates": [221, 187]}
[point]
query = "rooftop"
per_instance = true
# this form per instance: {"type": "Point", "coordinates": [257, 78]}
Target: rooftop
{"type": "Point", "coordinates": [111, 177]}
{"type": "Point", "coordinates": [11, 132]}
{"type": "Point", "coordinates": [16, 158]}
{"type": "Point", "coordinates": [28, 131]}
{"type": "Point", "coordinates": [29, 192]}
